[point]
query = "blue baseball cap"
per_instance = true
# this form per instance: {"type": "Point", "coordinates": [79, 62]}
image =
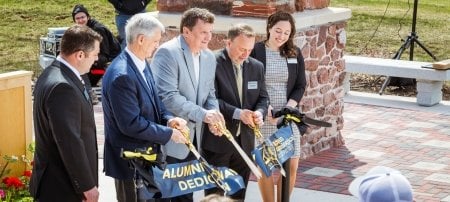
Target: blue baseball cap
{"type": "Point", "coordinates": [382, 184]}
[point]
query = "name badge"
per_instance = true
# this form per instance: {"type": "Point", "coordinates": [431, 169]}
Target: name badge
{"type": "Point", "coordinates": [252, 85]}
{"type": "Point", "coordinates": [292, 60]}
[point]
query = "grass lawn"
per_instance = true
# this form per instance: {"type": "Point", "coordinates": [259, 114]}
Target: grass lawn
{"type": "Point", "coordinates": [25, 21]}
{"type": "Point", "coordinates": [432, 27]}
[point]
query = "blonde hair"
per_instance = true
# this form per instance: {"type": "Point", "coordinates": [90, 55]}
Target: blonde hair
{"type": "Point", "coordinates": [216, 198]}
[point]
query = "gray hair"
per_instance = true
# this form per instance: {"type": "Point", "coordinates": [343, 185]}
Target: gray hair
{"type": "Point", "coordinates": [142, 23]}
{"type": "Point", "coordinates": [239, 29]}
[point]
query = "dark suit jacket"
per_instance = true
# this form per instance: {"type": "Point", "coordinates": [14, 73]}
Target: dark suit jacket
{"type": "Point", "coordinates": [296, 80]}
{"type": "Point", "coordinates": [65, 160]}
{"type": "Point", "coordinates": [133, 115]}
{"type": "Point", "coordinates": [254, 98]}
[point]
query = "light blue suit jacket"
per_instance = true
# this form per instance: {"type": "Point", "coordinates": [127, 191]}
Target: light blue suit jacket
{"type": "Point", "coordinates": [173, 69]}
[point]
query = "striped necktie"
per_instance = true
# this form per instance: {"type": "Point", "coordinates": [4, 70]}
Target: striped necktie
{"type": "Point", "coordinates": [238, 74]}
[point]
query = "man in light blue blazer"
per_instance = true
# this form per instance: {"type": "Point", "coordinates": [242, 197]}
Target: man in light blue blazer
{"type": "Point", "coordinates": [184, 71]}
{"type": "Point", "coordinates": [134, 115]}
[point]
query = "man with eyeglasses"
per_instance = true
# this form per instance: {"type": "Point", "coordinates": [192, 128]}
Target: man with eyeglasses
{"type": "Point", "coordinates": [109, 47]}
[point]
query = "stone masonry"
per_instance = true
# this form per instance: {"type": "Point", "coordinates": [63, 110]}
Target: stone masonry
{"type": "Point", "coordinates": [254, 8]}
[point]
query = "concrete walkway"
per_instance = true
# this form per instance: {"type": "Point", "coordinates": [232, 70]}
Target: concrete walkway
{"type": "Point", "coordinates": [378, 130]}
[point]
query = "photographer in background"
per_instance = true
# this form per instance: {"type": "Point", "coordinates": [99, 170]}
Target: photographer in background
{"type": "Point", "coordinates": [109, 48]}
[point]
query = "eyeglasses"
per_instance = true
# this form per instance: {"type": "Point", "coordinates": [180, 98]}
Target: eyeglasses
{"type": "Point", "coordinates": [81, 17]}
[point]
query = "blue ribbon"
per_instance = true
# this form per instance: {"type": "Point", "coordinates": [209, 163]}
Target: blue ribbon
{"type": "Point", "coordinates": [187, 177]}
{"type": "Point", "coordinates": [283, 142]}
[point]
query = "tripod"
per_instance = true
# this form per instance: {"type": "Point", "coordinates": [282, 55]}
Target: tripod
{"type": "Point", "coordinates": [408, 43]}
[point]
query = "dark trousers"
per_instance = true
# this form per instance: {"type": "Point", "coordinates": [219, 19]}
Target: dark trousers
{"type": "Point", "coordinates": [181, 198]}
{"type": "Point", "coordinates": [232, 159]}
{"type": "Point", "coordinates": [125, 190]}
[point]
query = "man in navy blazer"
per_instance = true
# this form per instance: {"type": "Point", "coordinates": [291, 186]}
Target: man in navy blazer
{"type": "Point", "coordinates": [134, 115]}
{"type": "Point", "coordinates": [66, 157]}
{"type": "Point", "coordinates": [242, 110]}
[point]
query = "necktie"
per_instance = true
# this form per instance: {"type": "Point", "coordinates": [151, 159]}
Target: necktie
{"type": "Point", "coordinates": [238, 75]}
{"type": "Point", "coordinates": [148, 78]}
{"type": "Point", "coordinates": [86, 94]}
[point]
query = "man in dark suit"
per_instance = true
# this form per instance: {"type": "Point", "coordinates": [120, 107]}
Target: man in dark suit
{"type": "Point", "coordinates": [65, 159]}
{"type": "Point", "coordinates": [243, 100]}
{"type": "Point", "coordinates": [134, 115]}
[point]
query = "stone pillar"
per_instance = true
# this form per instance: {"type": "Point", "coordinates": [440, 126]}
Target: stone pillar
{"type": "Point", "coordinates": [323, 98]}
{"type": "Point", "coordinates": [248, 8]}
{"type": "Point", "coordinates": [321, 36]}
{"type": "Point", "coordinates": [261, 8]}
{"type": "Point", "coordinates": [311, 4]}
{"type": "Point", "coordinates": [219, 7]}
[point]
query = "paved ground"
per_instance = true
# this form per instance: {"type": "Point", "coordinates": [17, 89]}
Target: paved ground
{"type": "Point", "coordinates": [386, 130]}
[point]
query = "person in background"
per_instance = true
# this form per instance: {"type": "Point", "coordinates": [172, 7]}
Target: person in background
{"type": "Point", "coordinates": [285, 82]}
{"type": "Point", "coordinates": [66, 157]}
{"type": "Point", "coordinates": [243, 100]}
{"type": "Point", "coordinates": [184, 70]}
{"type": "Point", "coordinates": [134, 115]}
{"type": "Point", "coordinates": [109, 47]}
{"type": "Point", "coordinates": [124, 10]}
{"type": "Point", "coordinates": [382, 184]}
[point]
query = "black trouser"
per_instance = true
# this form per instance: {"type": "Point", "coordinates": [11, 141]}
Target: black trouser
{"type": "Point", "coordinates": [232, 159]}
{"type": "Point", "coordinates": [125, 190]}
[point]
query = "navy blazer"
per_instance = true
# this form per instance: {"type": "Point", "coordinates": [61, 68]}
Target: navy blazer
{"type": "Point", "coordinates": [66, 157]}
{"type": "Point", "coordinates": [255, 98]}
{"type": "Point", "coordinates": [134, 115]}
{"type": "Point", "coordinates": [296, 80]}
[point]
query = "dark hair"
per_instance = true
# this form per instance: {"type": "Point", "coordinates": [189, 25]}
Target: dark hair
{"type": "Point", "coordinates": [190, 17]}
{"type": "Point", "coordinates": [288, 49]}
{"type": "Point", "coordinates": [78, 9]}
{"type": "Point", "coordinates": [239, 29]}
{"type": "Point", "coordinates": [79, 37]}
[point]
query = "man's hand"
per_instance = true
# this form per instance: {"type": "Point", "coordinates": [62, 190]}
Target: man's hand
{"type": "Point", "coordinates": [91, 195]}
{"type": "Point", "coordinates": [246, 117]}
{"type": "Point", "coordinates": [258, 118]}
{"type": "Point", "coordinates": [177, 123]}
{"type": "Point", "coordinates": [178, 137]}
{"type": "Point", "coordinates": [214, 129]}
{"type": "Point", "coordinates": [213, 117]}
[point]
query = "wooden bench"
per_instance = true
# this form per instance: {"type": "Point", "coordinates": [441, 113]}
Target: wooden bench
{"type": "Point", "coordinates": [429, 81]}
